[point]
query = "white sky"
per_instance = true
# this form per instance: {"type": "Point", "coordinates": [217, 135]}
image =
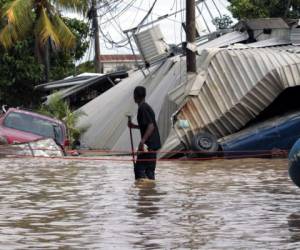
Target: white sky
{"type": "Point", "coordinates": [171, 27]}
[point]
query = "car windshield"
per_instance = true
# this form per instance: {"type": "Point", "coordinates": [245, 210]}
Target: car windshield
{"type": "Point", "coordinates": [34, 125]}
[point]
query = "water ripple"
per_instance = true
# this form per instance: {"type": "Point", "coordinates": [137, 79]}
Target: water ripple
{"type": "Point", "coordinates": [240, 204]}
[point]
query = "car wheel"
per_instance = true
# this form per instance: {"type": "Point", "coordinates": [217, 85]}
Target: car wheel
{"type": "Point", "coordinates": [205, 142]}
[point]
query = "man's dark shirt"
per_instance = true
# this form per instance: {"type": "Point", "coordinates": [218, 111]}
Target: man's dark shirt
{"type": "Point", "coordinates": [145, 117]}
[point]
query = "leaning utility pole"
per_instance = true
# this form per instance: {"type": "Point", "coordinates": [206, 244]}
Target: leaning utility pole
{"type": "Point", "coordinates": [95, 26]}
{"type": "Point", "coordinates": [190, 36]}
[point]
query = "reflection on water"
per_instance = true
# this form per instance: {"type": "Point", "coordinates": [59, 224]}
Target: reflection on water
{"type": "Point", "coordinates": [241, 204]}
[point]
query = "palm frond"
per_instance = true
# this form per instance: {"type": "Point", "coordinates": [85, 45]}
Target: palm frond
{"type": "Point", "coordinates": [65, 35]}
{"type": "Point", "coordinates": [46, 30]}
{"type": "Point", "coordinates": [80, 6]}
{"type": "Point", "coordinates": [18, 16]}
{"type": "Point", "coordinates": [60, 109]}
{"type": "Point", "coordinates": [8, 35]}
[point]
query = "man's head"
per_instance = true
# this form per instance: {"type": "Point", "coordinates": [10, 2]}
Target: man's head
{"type": "Point", "coordinates": [139, 94]}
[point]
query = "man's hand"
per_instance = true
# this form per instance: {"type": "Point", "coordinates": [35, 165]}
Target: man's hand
{"type": "Point", "coordinates": [141, 146]}
{"type": "Point", "coordinates": [130, 124]}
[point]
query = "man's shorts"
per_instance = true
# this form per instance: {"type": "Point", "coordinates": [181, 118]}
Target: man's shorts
{"type": "Point", "coordinates": [145, 165]}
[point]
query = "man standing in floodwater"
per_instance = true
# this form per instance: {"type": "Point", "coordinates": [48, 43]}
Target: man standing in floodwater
{"type": "Point", "coordinates": [146, 158]}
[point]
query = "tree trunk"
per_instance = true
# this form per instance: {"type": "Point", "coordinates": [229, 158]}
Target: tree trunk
{"type": "Point", "coordinates": [47, 61]}
{"type": "Point", "coordinates": [287, 9]}
{"type": "Point", "coordinates": [42, 56]}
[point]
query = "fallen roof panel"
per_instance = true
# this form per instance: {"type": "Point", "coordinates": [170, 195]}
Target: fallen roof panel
{"type": "Point", "coordinates": [236, 85]}
{"type": "Point", "coordinates": [225, 40]}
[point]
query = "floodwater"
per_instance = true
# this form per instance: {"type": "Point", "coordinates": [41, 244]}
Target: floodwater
{"type": "Point", "coordinates": [225, 204]}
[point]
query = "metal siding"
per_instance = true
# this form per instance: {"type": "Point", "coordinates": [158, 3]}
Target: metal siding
{"type": "Point", "coordinates": [106, 120]}
{"type": "Point", "coordinates": [240, 84]}
{"type": "Point", "coordinates": [225, 40]}
{"type": "Point", "coordinates": [266, 23]}
{"type": "Point", "coordinates": [295, 36]}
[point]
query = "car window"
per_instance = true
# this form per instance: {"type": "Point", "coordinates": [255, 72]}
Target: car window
{"type": "Point", "coordinates": [34, 125]}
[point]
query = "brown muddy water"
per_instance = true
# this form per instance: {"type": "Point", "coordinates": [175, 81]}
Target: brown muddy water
{"type": "Point", "coordinates": [228, 204]}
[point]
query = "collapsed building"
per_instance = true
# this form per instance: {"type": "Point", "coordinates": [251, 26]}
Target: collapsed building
{"type": "Point", "coordinates": [239, 76]}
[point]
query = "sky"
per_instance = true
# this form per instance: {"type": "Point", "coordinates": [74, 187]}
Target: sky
{"type": "Point", "coordinates": [113, 23]}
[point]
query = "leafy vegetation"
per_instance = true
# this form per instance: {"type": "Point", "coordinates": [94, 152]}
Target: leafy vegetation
{"type": "Point", "coordinates": [63, 61]}
{"type": "Point", "coordinates": [41, 21]}
{"type": "Point", "coordinates": [222, 22]}
{"type": "Point", "coordinates": [243, 9]}
{"type": "Point", "coordinates": [21, 70]}
{"type": "Point", "coordinates": [60, 109]}
{"type": "Point", "coordinates": [42, 17]}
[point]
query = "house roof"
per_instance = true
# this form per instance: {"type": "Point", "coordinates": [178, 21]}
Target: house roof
{"type": "Point", "coordinates": [119, 57]}
{"type": "Point", "coordinates": [78, 85]}
{"type": "Point", "coordinates": [264, 23]}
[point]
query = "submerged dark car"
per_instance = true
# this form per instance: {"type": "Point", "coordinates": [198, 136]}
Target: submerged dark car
{"type": "Point", "coordinates": [271, 136]}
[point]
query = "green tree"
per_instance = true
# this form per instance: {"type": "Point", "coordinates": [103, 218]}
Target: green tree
{"type": "Point", "coordinates": [42, 18]}
{"type": "Point", "coordinates": [20, 71]}
{"type": "Point", "coordinates": [243, 9]}
{"type": "Point", "coordinates": [63, 61]}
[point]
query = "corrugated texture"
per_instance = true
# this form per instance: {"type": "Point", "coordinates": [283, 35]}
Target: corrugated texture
{"type": "Point", "coordinates": [295, 36]}
{"type": "Point", "coordinates": [78, 86]}
{"type": "Point", "coordinates": [225, 40]}
{"type": "Point", "coordinates": [276, 41]}
{"type": "Point", "coordinates": [70, 81]}
{"type": "Point", "coordinates": [119, 58]}
{"type": "Point", "coordinates": [238, 85]}
{"type": "Point", "coordinates": [266, 23]}
{"type": "Point", "coordinates": [106, 114]}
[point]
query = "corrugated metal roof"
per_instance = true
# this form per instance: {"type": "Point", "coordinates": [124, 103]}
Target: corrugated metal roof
{"type": "Point", "coordinates": [69, 81]}
{"type": "Point", "coordinates": [119, 57]}
{"type": "Point", "coordinates": [225, 40]}
{"type": "Point", "coordinates": [235, 86]}
{"type": "Point", "coordinates": [106, 115]}
{"type": "Point", "coordinates": [232, 86]}
{"type": "Point", "coordinates": [109, 131]}
{"type": "Point", "coordinates": [295, 36]}
{"type": "Point", "coordinates": [276, 41]}
{"type": "Point", "coordinates": [266, 23]}
{"type": "Point", "coordinates": [80, 85]}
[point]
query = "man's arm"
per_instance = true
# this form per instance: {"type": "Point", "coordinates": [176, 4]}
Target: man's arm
{"type": "Point", "coordinates": [148, 133]}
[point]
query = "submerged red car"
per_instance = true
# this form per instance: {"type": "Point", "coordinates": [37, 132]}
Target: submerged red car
{"type": "Point", "coordinates": [20, 126]}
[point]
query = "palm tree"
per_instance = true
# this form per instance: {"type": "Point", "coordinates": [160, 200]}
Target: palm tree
{"type": "Point", "coordinates": [43, 19]}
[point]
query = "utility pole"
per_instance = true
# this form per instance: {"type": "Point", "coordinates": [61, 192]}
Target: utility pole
{"type": "Point", "coordinates": [190, 36]}
{"type": "Point", "coordinates": [95, 26]}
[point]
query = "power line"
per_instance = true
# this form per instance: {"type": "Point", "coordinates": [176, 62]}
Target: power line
{"type": "Point", "coordinates": [141, 9]}
{"type": "Point", "coordinates": [129, 5]}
